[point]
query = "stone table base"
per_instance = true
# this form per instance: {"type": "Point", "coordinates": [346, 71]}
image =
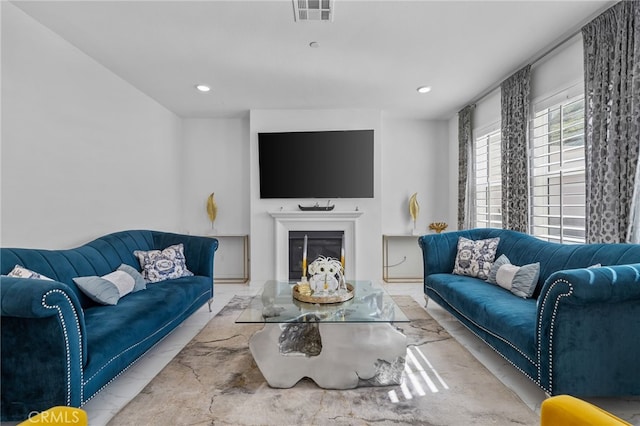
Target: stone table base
{"type": "Point", "coordinates": [333, 355]}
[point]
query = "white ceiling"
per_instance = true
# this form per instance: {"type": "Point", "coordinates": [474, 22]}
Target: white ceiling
{"type": "Point", "coordinates": [255, 56]}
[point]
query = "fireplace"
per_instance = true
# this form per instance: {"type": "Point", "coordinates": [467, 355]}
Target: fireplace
{"type": "Point", "coordinates": [319, 243]}
{"type": "Point", "coordinates": [287, 221]}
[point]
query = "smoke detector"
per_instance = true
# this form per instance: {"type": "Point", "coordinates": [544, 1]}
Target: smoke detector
{"type": "Point", "coordinates": [313, 10]}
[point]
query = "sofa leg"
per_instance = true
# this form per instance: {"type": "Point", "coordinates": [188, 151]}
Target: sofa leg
{"type": "Point", "coordinates": [426, 300]}
{"type": "Point", "coordinates": [209, 303]}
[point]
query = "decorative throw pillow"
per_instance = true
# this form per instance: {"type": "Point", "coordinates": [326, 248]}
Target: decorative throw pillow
{"type": "Point", "coordinates": [163, 265]}
{"type": "Point", "coordinates": [475, 258]}
{"type": "Point", "coordinates": [107, 289]}
{"type": "Point", "coordinates": [140, 283]}
{"type": "Point", "coordinates": [519, 280]}
{"type": "Point", "coordinates": [502, 260]}
{"type": "Point", "coordinates": [22, 272]}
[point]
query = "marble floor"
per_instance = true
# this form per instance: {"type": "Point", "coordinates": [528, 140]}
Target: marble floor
{"type": "Point", "coordinates": [107, 403]}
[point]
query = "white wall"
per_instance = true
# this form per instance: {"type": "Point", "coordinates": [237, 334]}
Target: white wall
{"type": "Point", "coordinates": [216, 159]}
{"type": "Point", "coordinates": [83, 152]}
{"type": "Point", "coordinates": [415, 158]}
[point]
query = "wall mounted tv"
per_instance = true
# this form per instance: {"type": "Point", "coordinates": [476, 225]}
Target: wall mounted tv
{"type": "Point", "coordinates": [322, 164]}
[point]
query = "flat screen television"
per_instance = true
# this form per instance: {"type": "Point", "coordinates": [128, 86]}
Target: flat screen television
{"type": "Point", "coordinates": [319, 164]}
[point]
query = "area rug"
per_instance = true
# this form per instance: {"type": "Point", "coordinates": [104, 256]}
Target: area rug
{"type": "Point", "coordinates": [214, 381]}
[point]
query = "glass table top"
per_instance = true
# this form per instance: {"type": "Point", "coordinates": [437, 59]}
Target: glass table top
{"type": "Point", "coordinates": [275, 304]}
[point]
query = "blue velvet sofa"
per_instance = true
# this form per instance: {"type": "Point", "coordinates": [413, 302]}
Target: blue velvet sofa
{"type": "Point", "coordinates": [59, 347]}
{"type": "Point", "coordinates": [580, 332]}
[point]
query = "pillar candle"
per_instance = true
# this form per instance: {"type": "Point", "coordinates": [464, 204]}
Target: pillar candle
{"type": "Point", "coordinates": [304, 257]}
{"type": "Point", "coordinates": [342, 254]}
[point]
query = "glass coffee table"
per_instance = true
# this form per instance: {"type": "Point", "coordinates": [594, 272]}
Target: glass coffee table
{"type": "Point", "coordinates": [338, 346]}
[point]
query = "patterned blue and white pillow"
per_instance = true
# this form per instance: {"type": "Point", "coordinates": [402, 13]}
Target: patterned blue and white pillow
{"type": "Point", "coordinates": [163, 265]}
{"type": "Point", "coordinates": [475, 258]}
{"type": "Point", "coordinates": [22, 272]}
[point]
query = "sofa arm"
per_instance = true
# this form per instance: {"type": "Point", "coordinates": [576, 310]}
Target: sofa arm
{"type": "Point", "coordinates": [439, 252]}
{"type": "Point", "coordinates": [33, 298]}
{"type": "Point", "coordinates": [43, 346]}
{"type": "Point", "coordinates": [595, 285]}
{"type": "Point", "coordinates": [199, 251]}
{"type": "Point", "coordinates": [588, 331]}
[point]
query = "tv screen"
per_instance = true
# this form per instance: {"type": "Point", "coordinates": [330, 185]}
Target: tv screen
{"type": "Point", "coordinates": [324, 164]}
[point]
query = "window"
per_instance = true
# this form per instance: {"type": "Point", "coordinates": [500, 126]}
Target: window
{"type": "Point", "coordinates": [558, 172]}
{"type": "Point", "coordinates": [488, 180]}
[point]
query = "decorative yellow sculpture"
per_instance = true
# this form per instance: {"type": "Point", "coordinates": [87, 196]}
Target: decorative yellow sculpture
{"type": "Point", "coordinates": [414, 208]}
{"type": "Point", "coordinates": [212, 209]}
{"type": "Point", "coordinates": [438, 226]}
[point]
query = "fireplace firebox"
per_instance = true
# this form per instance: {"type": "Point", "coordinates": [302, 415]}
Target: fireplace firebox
{"type": "Point", "coordinates": [319, 243]}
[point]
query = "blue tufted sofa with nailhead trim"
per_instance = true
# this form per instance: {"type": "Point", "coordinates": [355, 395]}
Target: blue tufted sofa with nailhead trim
{"type": "Point", "coordinates": [580, 332]}
{"type": "Point", "coordinates": [58, 346]}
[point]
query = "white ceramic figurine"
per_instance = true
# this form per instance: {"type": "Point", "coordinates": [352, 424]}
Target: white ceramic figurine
{"type": "Point", "coordinates": [326, 275]}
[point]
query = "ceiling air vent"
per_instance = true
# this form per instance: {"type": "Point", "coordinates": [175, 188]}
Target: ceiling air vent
{"type": "Point", "coordinates": [313, 10]}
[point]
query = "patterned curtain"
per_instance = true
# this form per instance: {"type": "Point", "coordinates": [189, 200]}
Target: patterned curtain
{"type": "Point", "coordinates": [515, 163]}
{"type": "Point", "coordinates": [612, 120]}
{"type": "Point", "coordinates": [465, 160]}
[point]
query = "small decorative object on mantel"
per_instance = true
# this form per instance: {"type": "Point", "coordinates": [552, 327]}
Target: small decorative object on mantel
{"type": "Point", "coordinates": [317, 207]}
{"type": "Point", "coordinates": [438, 227]}
{"type": "Point", "coordinates": [326, 285]}
{"type": "Point", "coordinates": [414, 210]}
{"type": "Point", "coordinates": [212, 210]}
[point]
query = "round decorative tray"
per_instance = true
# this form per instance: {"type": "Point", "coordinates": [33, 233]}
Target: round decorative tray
{"type": "Point", "coordinates": [334, 298]}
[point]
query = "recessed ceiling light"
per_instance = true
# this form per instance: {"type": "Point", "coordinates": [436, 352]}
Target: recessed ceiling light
{"type": "Point", "coordinates": [203, 87]}
{"type": "Point", "coordinates": [424, 89]}
{"type": "Point", "coordinates": [314, 44]}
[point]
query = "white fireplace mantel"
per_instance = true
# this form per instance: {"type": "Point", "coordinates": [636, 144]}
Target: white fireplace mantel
{"type": "Point", "coordinates": [286, 221]}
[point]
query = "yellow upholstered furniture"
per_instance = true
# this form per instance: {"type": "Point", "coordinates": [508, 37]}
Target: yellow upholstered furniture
{"type": "Point", "coordinates": [565, 410]}
{"type": "Point", "coordinates": [58, 416]}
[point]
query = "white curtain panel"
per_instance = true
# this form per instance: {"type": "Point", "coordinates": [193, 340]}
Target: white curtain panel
{"type": "Point", "coordinates": [634, 228]}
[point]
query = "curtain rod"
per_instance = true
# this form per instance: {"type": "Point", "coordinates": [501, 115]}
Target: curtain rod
{"type": "Point", "coordinates": [541, 54]}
